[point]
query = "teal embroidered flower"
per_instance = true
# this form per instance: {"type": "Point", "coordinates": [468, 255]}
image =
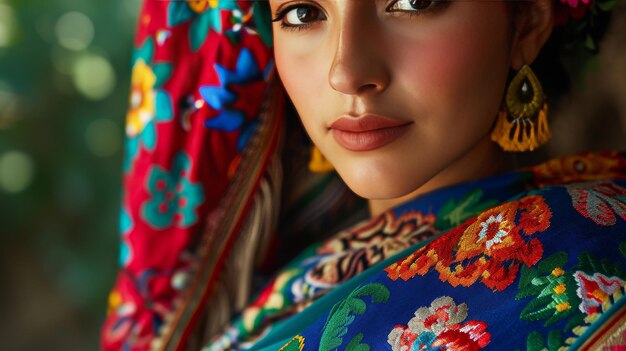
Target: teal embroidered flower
{"type": "Point", "coordinates": [174, 197]}
{"type": "Point", "coordinates": [148, 103]}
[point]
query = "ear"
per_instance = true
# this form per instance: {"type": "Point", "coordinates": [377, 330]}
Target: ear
{"type": "Point", "coordinates": [533, 26]}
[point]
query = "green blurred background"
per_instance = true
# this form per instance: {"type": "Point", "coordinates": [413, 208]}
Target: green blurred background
{"type": "Point", "coordinates": [64, 77]}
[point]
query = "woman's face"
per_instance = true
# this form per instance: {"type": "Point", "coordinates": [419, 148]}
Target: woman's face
{"type": "Point", "coordinates": [393, 92]}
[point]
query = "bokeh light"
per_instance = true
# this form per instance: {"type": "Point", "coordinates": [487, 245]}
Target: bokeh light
{"type": "Point", "coordinates": [74, 31]}
{"type": "Point", "coordinates": [8, 26]}
{"type": "Point", "coordinates": [93, 76]}
{"type": "Point", "coordinates": [16, 171]}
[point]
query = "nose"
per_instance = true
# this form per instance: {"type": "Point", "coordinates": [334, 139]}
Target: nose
{"type": "Point", "coordinates": [359, 65]}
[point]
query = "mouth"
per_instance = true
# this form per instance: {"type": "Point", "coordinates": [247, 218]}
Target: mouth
{"type": "Point", "coordinates": [368, 132]}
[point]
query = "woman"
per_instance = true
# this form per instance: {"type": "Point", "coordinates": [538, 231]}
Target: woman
{"type": "Point", "coordinates": [413, 103]}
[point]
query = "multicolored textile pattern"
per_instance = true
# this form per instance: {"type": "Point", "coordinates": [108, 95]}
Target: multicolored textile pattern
{"type": "Point", "coordinates": [199, 80]}
{"type": "Point", "coordinates": [198, 83]}
{"type": "Point", "coordinates": [528, 260]}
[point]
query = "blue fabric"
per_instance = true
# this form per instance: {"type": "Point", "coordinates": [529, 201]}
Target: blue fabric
{"type": "Point", "coordinates": [573, 229]}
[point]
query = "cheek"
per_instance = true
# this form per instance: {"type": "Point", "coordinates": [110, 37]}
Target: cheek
{"type": "Point", "coordinates": [303, 72]}
{"type": "Point", "coordinates": [456, 71]}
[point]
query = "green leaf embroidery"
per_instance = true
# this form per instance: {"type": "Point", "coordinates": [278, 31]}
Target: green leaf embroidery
{"type": "Point", "coordinates": [162, 71]}
{"type": "Point", "coordinates": [343, 314]}
{"type": "Point", "coordinates": [535, 342]}
{"type": "Point", "coordinates": [455, 212]}
{"type": "Point", "coordinates": [355, 344]}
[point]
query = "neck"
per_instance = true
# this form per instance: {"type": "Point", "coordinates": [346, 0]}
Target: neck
{"type": "Point", "coordinates": [483, 160]}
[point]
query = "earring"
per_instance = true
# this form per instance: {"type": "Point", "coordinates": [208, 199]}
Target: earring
{"type": "Point", "coordinates": [319, 163]}
{"type": "Point", "coordinates": [522, 123]}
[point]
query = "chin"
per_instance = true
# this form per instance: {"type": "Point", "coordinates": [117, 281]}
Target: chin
{"type": "Point", "coordinates": [379, 185]}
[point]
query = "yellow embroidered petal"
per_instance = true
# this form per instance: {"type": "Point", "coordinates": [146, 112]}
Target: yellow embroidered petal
{"type": "Point", "coordinates": [142, 96]}
{"type": "Point", "coordinates": [563, 306]}
{"type": "Point", "coordinates": [557, 272]}
{"type": "Point", "coordinates": [559, 289]}
{"type": "Point", "coordinates": [115, 300]}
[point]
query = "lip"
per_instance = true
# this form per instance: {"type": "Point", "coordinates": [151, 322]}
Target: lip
{"type": "Point", "coordinates": [367, 132]}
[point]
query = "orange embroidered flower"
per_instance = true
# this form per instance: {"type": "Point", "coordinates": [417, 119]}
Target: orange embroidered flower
{"type": "Point", "coordinates": [583, 167]}
{"type": "Point", "coordinates": [490, 247]}
{"type": "Point", "coordinates": [142, 98]}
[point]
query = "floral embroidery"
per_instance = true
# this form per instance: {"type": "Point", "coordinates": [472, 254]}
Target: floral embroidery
{"type": "Point", "coordinates": [343, 314]}
{"type": "Point", "coordinates": [222, 97]}
{"type": "Point", "coordinates": [141, 109]}
{"type": "Point", "coordinates": [601, 201]}
{"type": "Point", "coordinates": [490, 247]}
{"type": "Point", "coordinates": [553, 290]}
{"type": "Point", "coordinates": [174, 196]}
{"type": "Point", "coordinates": [355, 250]}
{"type": "Point", "coordinates": [148, 102]}
{"type": "Point", "coordinates": [203, 14]}
{"type": "Point", "coordinates": [579, 168]}
{"type": "Point", "coordinates": [557, 291]}
{"type": "Point", "coordinates": [594, 290]}
{"type": "Point", "coordinates": [439, 327]}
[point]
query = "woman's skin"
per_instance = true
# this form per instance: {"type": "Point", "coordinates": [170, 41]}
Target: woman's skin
{"type": "Point", "coordinates": [436, 69]}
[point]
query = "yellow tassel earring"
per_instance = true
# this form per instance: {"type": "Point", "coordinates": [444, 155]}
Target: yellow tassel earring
{"type": "Point", "coordinates": [319, 163]}
{"type": "Point", "coordinates": [522, 123]}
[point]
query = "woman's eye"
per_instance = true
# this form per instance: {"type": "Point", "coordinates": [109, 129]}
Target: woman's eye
{"type": "Point", "coordinates": [410, 5]}
{"type": "Point", "coordinates": [299, 15]}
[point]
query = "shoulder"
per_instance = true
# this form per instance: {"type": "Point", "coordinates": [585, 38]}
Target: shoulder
{"type": "Point", "coordinates": [553, 260]}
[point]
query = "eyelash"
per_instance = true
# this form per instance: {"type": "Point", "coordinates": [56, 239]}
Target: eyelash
{"type": "Point", "coordinates": [282, 12]}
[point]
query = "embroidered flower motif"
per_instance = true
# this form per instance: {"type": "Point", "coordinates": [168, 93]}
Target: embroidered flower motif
{"type": "Point", "coordinates": [439, 327]}
{"type": "Point", "coordinates": [594, 290]}
{"type": "Point", "coordinates": [601, 201]}
{"type": "Point", "coordinates": [148, 102]}
{"type": "Point", "coordinates": [490, 247]}
{"type": "Point", "coordinates": [130, 323]}
{"type": "Point", "coordinates": [203, 14]}
{"type": "Point", "coordinates": [141, 109]}
{"type": "Point", "coordinates": [174, 197]}
{"type": "Point", "coordinates": [552, 290]}
{"type": "Point", "coordinates": [579, 168]}
{"type": "Point", "coordinates": [222, 97]}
